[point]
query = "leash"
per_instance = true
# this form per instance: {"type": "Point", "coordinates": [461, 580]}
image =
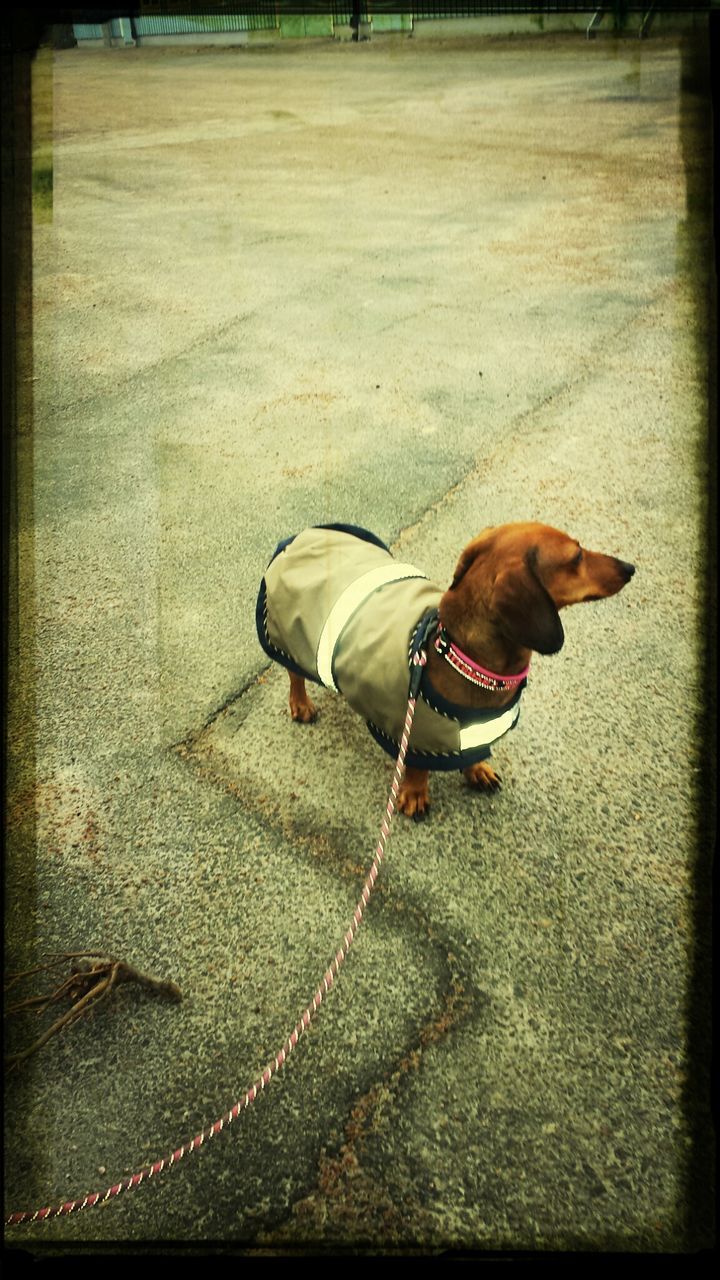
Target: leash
{"type": "Point", "coordinates": [418, 658]}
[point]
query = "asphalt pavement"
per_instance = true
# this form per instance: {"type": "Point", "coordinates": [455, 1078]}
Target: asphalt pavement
{"type": "Point", "coordinates": [423, 288]}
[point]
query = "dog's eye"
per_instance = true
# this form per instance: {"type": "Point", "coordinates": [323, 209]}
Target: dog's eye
{"type": "Point", "coordinates": [577, 559]}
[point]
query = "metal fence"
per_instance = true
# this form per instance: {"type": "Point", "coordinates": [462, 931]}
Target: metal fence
{"type": "Point", "coordinates": [263, 15]}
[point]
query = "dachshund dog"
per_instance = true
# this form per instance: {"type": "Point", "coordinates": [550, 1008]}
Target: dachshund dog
{"type": "Point", "coordinates": [503, 605]}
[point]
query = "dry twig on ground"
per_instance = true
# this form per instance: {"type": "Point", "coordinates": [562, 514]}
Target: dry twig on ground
{"type": "Point", "coordinates": [91, 978]}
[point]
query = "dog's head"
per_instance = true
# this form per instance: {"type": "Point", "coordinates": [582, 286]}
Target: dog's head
{"type": "Point", "coordinates": [521, 575]}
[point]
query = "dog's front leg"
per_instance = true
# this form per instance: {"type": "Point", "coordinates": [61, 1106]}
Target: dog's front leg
{"type": "Point", "coordinates": [301, 707]}
{"type": "Point", "coordinates": [414, 796]}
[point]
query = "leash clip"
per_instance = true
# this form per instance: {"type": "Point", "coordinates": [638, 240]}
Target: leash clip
{"type": "Point", "coordinates": [416, 672]}
{"type": "Point", "coordinates": [418, 652]}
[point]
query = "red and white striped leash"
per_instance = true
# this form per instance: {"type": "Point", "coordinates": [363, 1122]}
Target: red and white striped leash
{"type": "Point", "coordinates": [419, 658]}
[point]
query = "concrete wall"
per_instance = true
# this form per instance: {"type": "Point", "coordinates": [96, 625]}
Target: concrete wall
{"type": "Point", "coordinates": [498, 25]}
{"type": "Point", "coordinates": [546, 24]}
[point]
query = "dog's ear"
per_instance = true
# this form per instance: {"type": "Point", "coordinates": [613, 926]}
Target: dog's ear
{"type": "Point", "coordinates": [524, 610]}
{"type": "Point", "coordinates": [469, 556]}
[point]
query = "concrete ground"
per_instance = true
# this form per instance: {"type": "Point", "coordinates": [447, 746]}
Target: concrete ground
{"type": "Point", "coordinates": [422, 287]}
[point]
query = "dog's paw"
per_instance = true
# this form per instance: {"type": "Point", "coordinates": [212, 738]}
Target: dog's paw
{"type": "Point", "coordinates": [483, 777]}
{"type": "Point", "coordinates": [413, 803]}
{"type": "Point", "coordinates": [303, 712]}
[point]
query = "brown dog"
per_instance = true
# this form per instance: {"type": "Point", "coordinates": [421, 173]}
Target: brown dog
{"type": "Point", "coordinates": [502, 605]}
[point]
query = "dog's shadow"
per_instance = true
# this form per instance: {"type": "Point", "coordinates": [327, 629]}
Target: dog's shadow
{"type": "Point", "coordinates": [329, 776]}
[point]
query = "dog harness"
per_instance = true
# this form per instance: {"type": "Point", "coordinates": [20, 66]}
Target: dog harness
{"type": "Point", "coordinates": [337, 608]}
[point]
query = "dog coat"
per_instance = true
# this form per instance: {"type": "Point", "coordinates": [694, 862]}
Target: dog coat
{"type": "Point", "coordinates": [337, 608]}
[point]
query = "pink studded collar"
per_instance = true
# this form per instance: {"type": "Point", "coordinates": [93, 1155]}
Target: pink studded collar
{"type": "Point", "coordinates": [471, 670]}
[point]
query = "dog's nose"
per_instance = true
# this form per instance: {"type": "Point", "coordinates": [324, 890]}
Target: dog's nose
{"type": "Point", "coordinates": [626, 569]}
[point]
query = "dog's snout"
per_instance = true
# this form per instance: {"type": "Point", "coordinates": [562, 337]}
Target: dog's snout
{"type": "Point", "coordinates": [626, 569]}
